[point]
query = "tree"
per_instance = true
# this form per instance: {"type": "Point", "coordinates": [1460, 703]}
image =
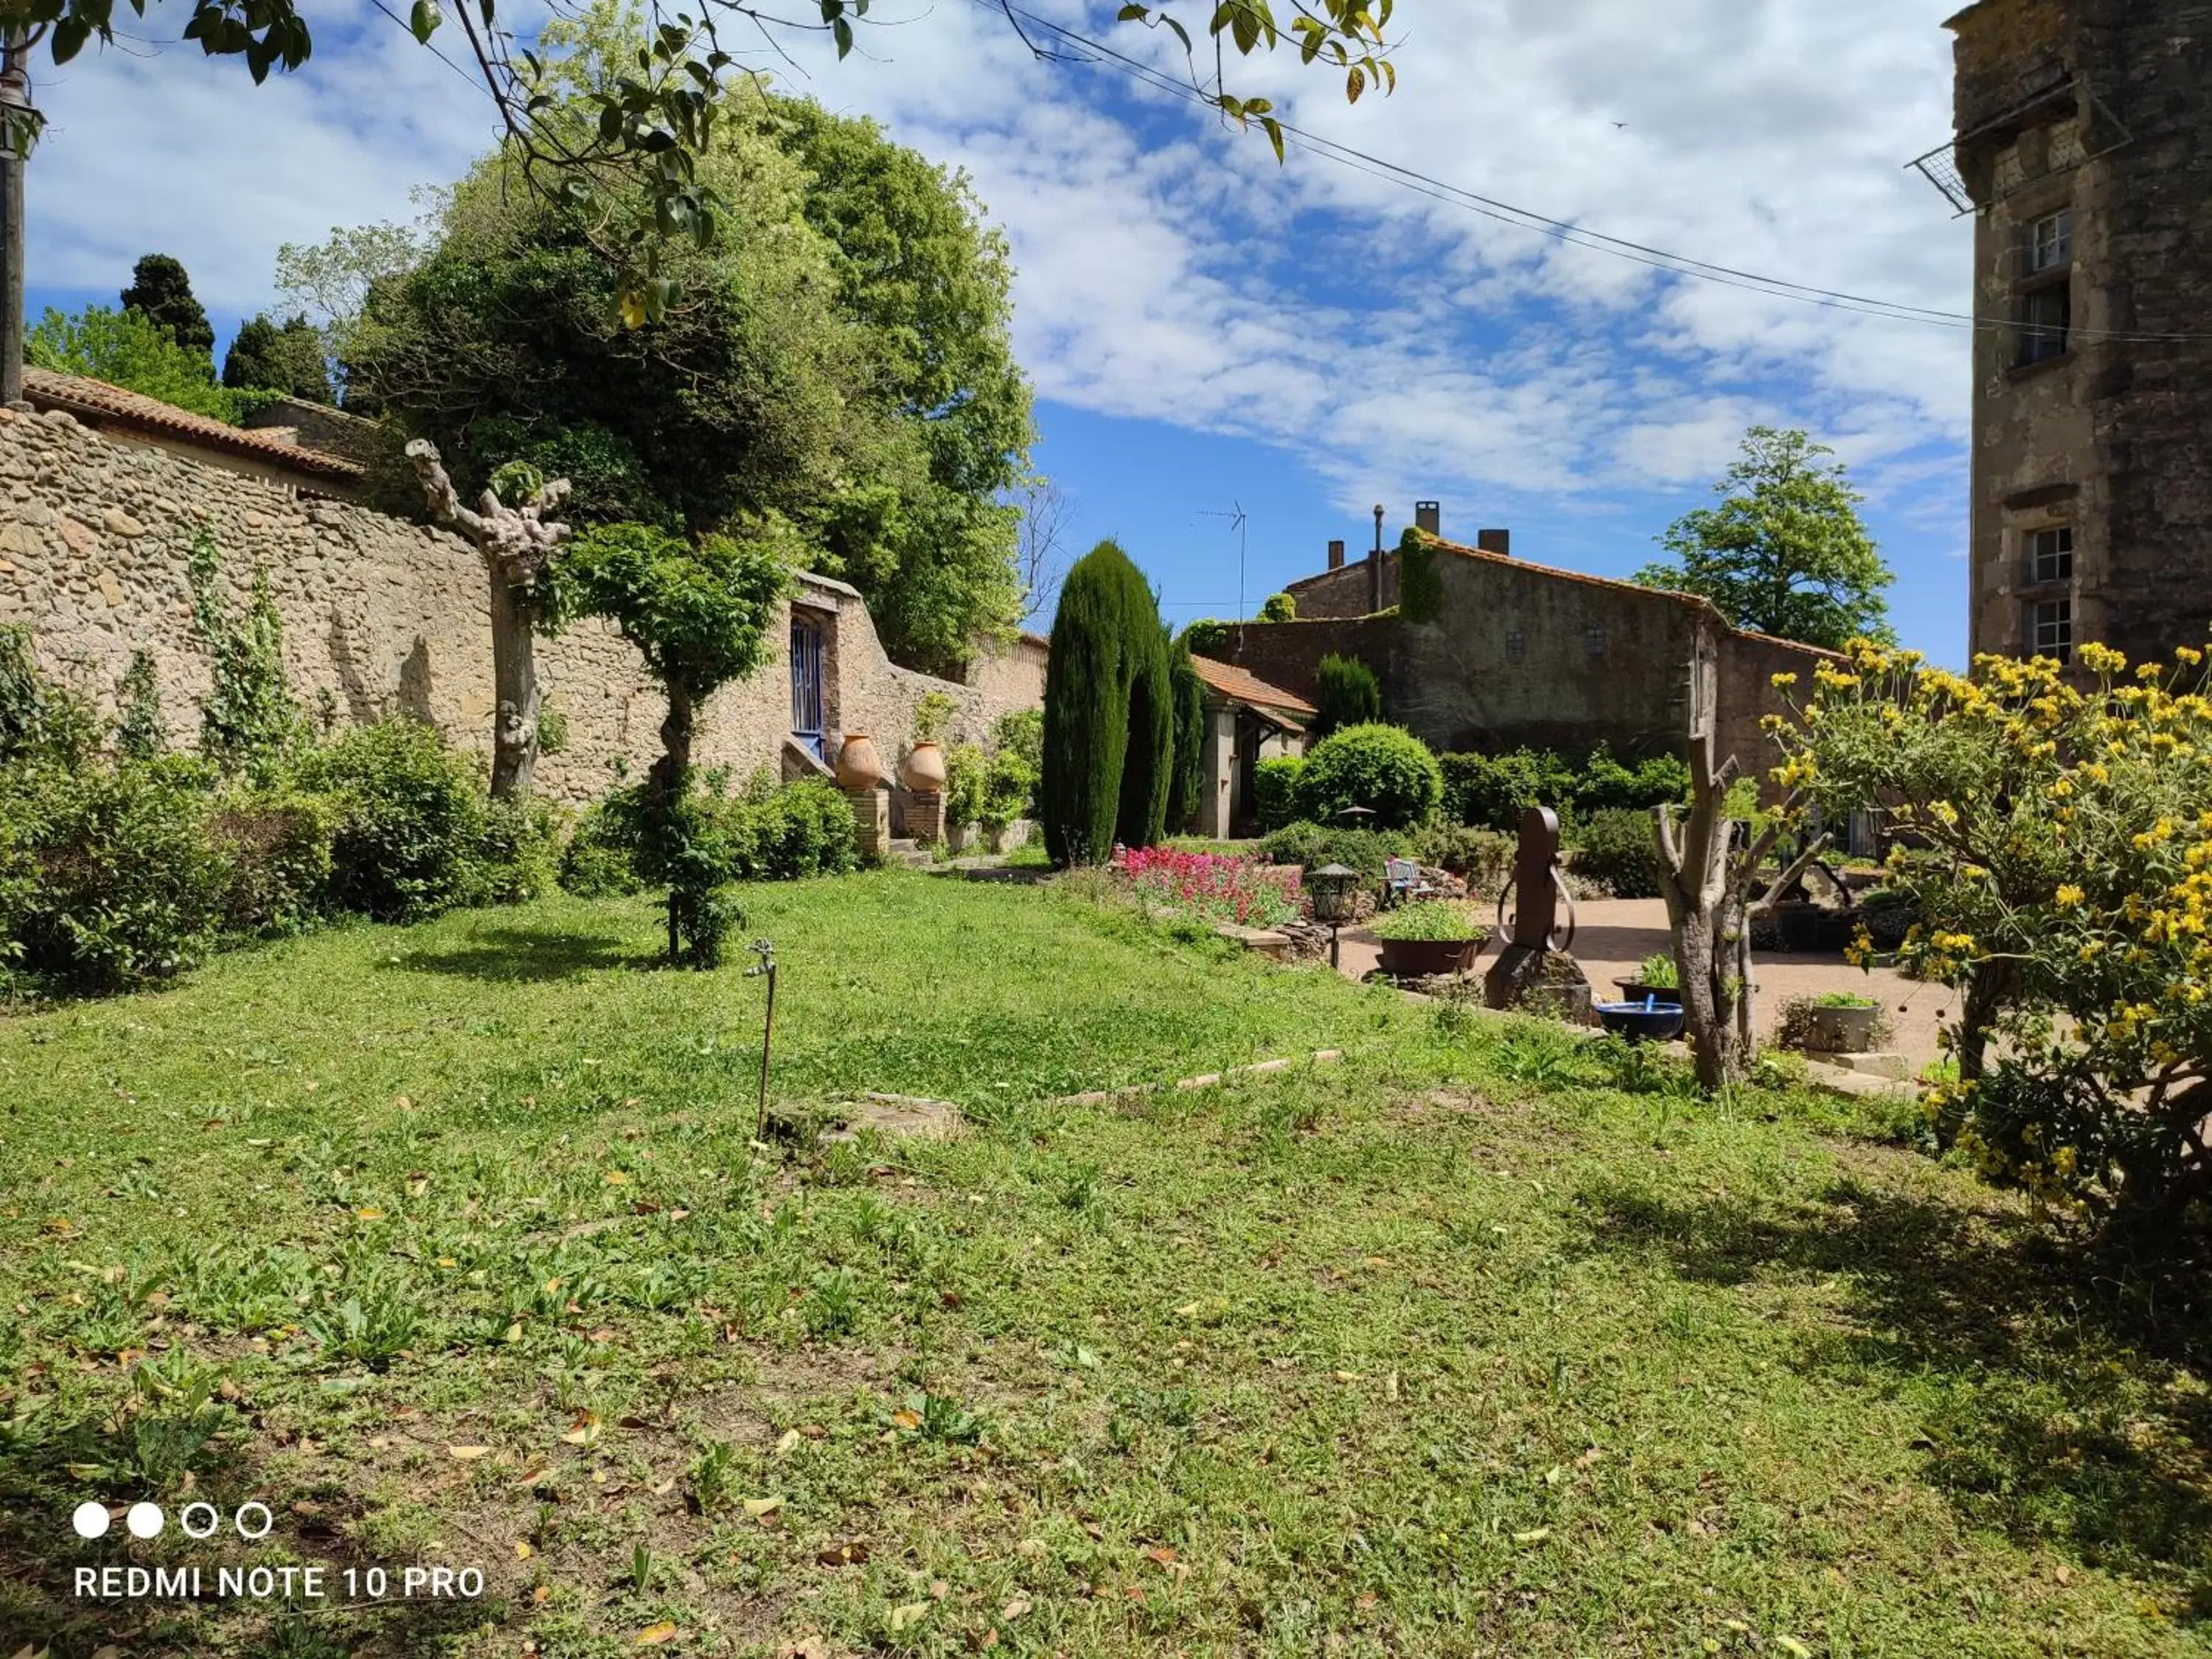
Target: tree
{"type": "Point", "coordinates": [1109, 714]}
{"type": "Point", "coordinates": [2055, 842]}
{"type": "Point", "coordinates": [698, 613]}
{"type": "Point", "coordinates": [1186, 790]}
{"type": "Point", "coordinates": [162, 292]}
{"type": "Point", "coordinates": [516, 542]}
{"type": "Point", "coordinates": [1279, 607]}
{"type": "Point", "coordinates": [129, 349]}
{"type": "Point", "coordinates": [291, 360]}
{"type": "Point", "coordinates": [843, 361]}
{"type": "Point", "coordinates": [1044, 513]}
{"type": "Point", "coordinates": [1784, 552]}
{"type": "Point", "coordinates": [631, 165]}
{"type": "Point", "coordinates": [1707, 860]}
{"type": "Point", "coordinates": [755, 398]}
{"type": "Point", "coordinates": [1346, 694]}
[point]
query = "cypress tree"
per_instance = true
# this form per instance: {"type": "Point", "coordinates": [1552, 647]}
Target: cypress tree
{"type": "Point", "coordinates": [1108, 713]}
{"type": "Point", "coordinates": [1346, 694]}
{"type": "Point", "coordinates": [1189, 781]}
{"type": "Point", "coordinates": [160, 288]}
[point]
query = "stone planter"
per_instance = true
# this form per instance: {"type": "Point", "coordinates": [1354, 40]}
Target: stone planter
{"type": "Point", "coordinates": [1637, 990]}
{"type": "Point", "coordinates": [1005, 838]}
{"type": "Point", "coordinates": [958, 836]}
{"type": "Point", "coordinates": [1840, 1030]}
{"type": "Point", "coordinates": [1427, 958]}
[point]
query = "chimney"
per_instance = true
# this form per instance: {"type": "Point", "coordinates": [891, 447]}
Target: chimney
{"type": "Point", "coordinates": [1336, 555]}
{"type": "Point", "coordinates": [1499, 541]}
{"type": "Point", "coordinates": [1428, 516]}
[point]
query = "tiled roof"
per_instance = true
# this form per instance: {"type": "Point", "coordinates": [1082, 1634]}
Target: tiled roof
{"type": "Point", "coordinates": [103, 405]}
{"type": "Point", "coordinates": [1233, 681]}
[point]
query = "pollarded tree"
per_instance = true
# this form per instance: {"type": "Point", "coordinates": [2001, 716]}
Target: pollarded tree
{"type": "Point", "coordinates": [1108, 713]}
{"type": "Point", "coordinates": [698, 612]}
{"type": "Point", "coordinates": [1784, 552]}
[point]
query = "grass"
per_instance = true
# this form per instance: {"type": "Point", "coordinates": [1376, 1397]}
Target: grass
{"type": "Point", "coordinates": [449, 1244]}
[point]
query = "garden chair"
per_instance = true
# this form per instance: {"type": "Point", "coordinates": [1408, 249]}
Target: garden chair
{"type": "Point", "coordinates": [1402, 879]}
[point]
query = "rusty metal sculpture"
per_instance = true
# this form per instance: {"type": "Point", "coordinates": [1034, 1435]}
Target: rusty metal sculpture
{"type": "Point", "coordinates": [1536, 955]}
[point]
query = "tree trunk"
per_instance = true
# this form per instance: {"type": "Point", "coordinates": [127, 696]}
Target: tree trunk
{"type": "Point", "coordinates": [514, 683]}
{"type": "Point", "coordinates": [15, 111]}
{"type": "Point", "coordinates": [515, 543]}
{"type": "Point", "coordinates": [668, 771]}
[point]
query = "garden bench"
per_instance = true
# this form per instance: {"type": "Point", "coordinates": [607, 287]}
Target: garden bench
{"type": "Point", "coordinates": [1402, 879]}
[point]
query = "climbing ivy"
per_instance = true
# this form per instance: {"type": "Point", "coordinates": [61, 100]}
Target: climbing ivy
{"type": "Point", "coordinates": [138, 732]}
{"type": "Point", "coordinates": [249, 718]}
{"type": "Point", "coordinates": [1421, 587]}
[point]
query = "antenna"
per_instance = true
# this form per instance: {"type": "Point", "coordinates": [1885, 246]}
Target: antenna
{"type": "Point", "coordinates": [1235, 523]}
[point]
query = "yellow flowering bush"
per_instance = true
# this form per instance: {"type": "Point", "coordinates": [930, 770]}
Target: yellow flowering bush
{"type": "Point", "coordinates": [2055, 833]}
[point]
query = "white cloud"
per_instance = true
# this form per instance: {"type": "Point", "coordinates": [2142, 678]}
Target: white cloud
{"type": "Point", "coordinates": [1170, 271]}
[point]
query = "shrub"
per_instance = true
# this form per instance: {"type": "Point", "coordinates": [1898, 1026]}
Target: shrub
{"type": "Point", "coordinates": [966, 768]}
{"type": "Point", "coordinates": [1279, 607]}
{"type": "Point", "coordinates": [1493, 790]}
{"type": "Point", "coordinates": [1439, 920]}
{"type": "Point", "coordinates": [38, 720]}
{"type": "Point", "coordinates": [1618, 851]}
{"type": "Point", "coordinates": [805, 828]}
{"type": "Point", "coordinates": [1021, 731]}
{"type": "Point", "coordinates": [1275, 790]}
{"type": "Point", "coordinates": [1208, 637]}
{"type": "Point", "coordinates": [1384, 767]}
{"type": "Point", "coordinates": [1009, 789]}
{"type": "Point", "coordinates": [1482, 858]}
{"type": "Point", "coordinates": [1312, 845]}
{"type": "Point", "coordinates": [1346, 694]}
{"type": "Point", "coordinates": [412, 819]}
{"type": "Point", "coordinates": [277, 846]}
{"type": "Point", "coordinates": [600, 860]}
{"type": "Point", "coordinates": [520, 856]}
{"type": "Point", "coordinates": [109, 879]}
{"type": "Point", "coordinates": [1108, 713]}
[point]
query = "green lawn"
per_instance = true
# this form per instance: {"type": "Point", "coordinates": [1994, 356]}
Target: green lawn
{"type": "Point", "coordinates": [449, 1244]}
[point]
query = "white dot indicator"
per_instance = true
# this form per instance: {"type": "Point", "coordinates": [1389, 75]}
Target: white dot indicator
{"type": "Point", "coordinates": [144, 1519]}
{"type": "Point", "coordinates": [91, 1520]}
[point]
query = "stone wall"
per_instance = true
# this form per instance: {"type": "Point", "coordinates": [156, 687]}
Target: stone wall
{"type": "Point", "coordinates": [383, 614]}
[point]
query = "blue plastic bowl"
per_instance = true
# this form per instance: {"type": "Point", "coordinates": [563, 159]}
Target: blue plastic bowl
{"type": "Point", "coordinates": [1638, 1022]}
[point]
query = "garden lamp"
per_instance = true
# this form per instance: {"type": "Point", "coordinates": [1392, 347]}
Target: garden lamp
{"type": "Point", "coordinates": [1333, 887]}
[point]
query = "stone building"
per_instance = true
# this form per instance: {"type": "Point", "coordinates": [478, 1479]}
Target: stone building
{"type": "Point", "coordinates": [2084, 148]}
{"type": "Point", "coordinates": [102, 494]}
{"type": "Point", "coordinates": [1519, 653]}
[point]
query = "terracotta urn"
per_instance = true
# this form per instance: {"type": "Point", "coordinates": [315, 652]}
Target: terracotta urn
{"type": "Point", "coordinates": [858, 767]}
{"type": "Point", "coordinates": [925, 769]}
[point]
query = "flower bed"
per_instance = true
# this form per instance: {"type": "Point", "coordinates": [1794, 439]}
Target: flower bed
{"type": "Point", "coordinates": [1215, 887]}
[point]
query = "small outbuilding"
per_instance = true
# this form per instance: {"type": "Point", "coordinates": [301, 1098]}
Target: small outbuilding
{"type": "Point", "coordinates": [1246, 721]}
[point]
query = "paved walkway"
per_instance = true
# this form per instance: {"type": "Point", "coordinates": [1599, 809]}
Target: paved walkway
{"type": "Point", "coordinates": [1614, 936]}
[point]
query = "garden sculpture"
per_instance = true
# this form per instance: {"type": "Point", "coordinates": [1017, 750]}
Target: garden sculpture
{"type": "Point", "coordinates": [1535, 959]}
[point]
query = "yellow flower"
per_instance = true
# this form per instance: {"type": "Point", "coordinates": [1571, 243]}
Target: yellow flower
{"type": "Point", "coordinates": [2069, 896]}
{"type": "Point", "coordinates": [1782, 682]}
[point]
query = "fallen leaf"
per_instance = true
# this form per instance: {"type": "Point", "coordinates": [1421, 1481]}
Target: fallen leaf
{"type": "Point", "coordinates": [842, 1552]}
{"type": "Point", "coordinates": [2064, 1574]}
{"type": "Point", "coordinates": [616, 1178]}
{"type": "Point", "coordinates": [653, 1635]}
{"type": "Point", "coordinates": [1366, 1601]}
{"type": "Point", "coordinates": [1347, 1376]}
{"type": "Point", "coordinates": [370, 1214]}
{"type": "Point", "coordinates": [1535, 1535]}
{"type": "Point", "coordinates": [1161, 1554]}
{"type": "Point", "coordinates": [1793, 1647]}
{"type": "Point", "coordinates": [910, 1614]}
{"type": "Point", "coordinates": [1189, 1311]}
{"type": "Point", "coordinates": [1015, 1608]}
{"type": "Point", "coordinates": [906, 1420]}
{"type": "Point", "coordinates": [758, 1506]}
{"type": "Point", "coordinates": [531, 1479]}
{"type": "Point", "coordinates": [541, 1594]}
{"type": "Point", "coordinates": [465, 1453]}
{"type": "Point", "coordinates": [522, 1551]}
{"type": "Point", "coordinates": [791, 1438]}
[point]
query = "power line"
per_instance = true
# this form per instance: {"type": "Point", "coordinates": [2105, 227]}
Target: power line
{"type": "Point", "coordinates": [1574, 235]}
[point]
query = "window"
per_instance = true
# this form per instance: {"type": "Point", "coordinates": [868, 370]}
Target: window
{"type": "Point", "coordinates": [2046, 314]}
{"type": "Point", "coordinates": [2050, 241]}
{"type": "Point", "coordinates": [1594, 641]}
{"type": "Point", "coordinates": [2050, 554]}
{"type": "Point", "coordinates": [1516, 645]}
{"type": "Point", "coordinates": [2052, 629]}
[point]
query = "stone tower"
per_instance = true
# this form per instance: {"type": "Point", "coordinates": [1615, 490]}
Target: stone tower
{"type": "Point", "coordinates": [2084, 144]}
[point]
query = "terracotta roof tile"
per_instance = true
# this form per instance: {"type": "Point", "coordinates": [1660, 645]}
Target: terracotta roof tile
{"type": "Point", "coordinates": [107, 404]}
{"type": "Point", "coordinates": [1233, 681]}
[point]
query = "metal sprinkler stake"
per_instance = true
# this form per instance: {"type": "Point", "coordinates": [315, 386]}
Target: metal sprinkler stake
{"type": "Point", "coordinates": [765, 949]}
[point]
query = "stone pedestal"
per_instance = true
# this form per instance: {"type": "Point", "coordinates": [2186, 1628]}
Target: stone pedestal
{"type": "Point", "coordinates": [925, 816]}
{"type": "Point", "coordinates": [871, 821]}
{"type": "Point", "coordinates": [1540, 980]}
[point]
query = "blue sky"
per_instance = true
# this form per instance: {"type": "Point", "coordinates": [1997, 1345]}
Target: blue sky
{"type": "Point", "coordinates": [1206, 327]}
